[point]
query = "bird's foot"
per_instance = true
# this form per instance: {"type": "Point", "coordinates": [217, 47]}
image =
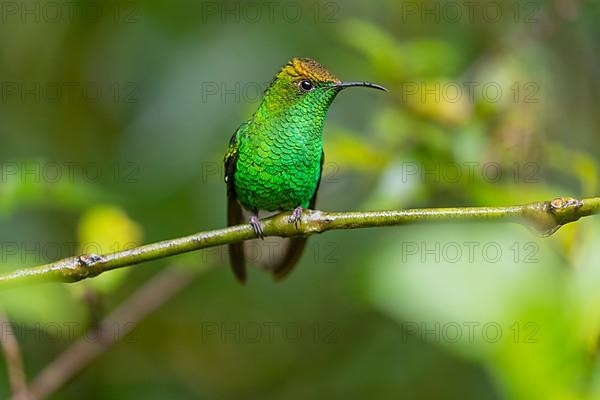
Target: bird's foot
{"type": "Point", "coordinates": [256, 226]}
{"type": "Point", "coordinates": [296, 217]}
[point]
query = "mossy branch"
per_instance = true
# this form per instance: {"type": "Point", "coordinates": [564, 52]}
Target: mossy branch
{"type": "Point", "coordinates": [544, 216]}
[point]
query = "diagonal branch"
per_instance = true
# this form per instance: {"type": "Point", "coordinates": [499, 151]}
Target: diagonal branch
{"type": "Point", "coordinates": [14, 361]}
{"type": "Point", "coordinates": [544, 216]}
{"type": "Point", "coordinates": [125, 318]}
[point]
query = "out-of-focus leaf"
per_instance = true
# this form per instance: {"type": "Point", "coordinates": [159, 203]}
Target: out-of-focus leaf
{"type": "Point", "coordinates": [35, 183]}
{"type": "Point", "coordinates": [588, 281]}
{"type": "Point", "coordinates": [440, 100]}
{"type": "Point", "coordinates": [494, 293]}
{"type": "Point", "coordinates": [575, 164]}
{"type": "Point", "coordinates": [40, 308]}
{"type": "Point", "coordinates": [349, 151]}
{"type": "Point", "coordinates": [106, 229]}
{"type": "Point", "coordinates": [384, 57]}
{"type": "Point", "coordinates": [399, 61]}
{"type": "Point", "coordinates": [397, 185]}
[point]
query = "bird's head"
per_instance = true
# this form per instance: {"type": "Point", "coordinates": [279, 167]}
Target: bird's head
{"type": "Point", "coordinates": [305, 83]}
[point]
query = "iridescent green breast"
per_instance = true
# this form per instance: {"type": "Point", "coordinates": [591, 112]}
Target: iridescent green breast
{"type": "Point", "coordinates": [279, 167]}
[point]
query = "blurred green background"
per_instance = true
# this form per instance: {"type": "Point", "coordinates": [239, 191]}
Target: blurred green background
{"type": "Point", "coordinates": [114, 119]}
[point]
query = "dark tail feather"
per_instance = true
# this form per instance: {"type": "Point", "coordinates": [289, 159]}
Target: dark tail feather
{"type": "Point", "coordinates": [236, 250]}
{"type": "Point", "coordinates": [238, 263]}
{"type": "Point", "coordinates": [290, 258]}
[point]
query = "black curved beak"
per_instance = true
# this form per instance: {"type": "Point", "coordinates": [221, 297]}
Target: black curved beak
{"type": "Point", "coordinates": [344, 85]}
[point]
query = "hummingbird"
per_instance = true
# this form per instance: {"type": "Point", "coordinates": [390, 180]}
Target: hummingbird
{"type": "Point", "coordinates": [275, 159]}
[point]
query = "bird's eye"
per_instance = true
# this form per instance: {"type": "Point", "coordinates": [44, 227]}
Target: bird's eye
{"type": "Point", "coordinates": [306, 85]}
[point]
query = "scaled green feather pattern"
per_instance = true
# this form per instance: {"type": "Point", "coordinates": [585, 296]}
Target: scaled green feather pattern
{"type": "Point", "coordinates": [274, 160]}
{"type": "Point", "coordinates": [279, 159]}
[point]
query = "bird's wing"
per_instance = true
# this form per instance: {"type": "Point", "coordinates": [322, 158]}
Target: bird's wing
{"type": "Point", "coordinates": [296, 245]}
{"type": "Point", "coordinates": [313, 201]}
{"type": "Point", "coordinates": [234, 209]}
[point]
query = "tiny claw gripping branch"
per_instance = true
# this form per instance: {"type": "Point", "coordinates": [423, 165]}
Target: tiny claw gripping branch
{"type": "Point", "coordinates": [296, 216]}
{"type": "Point", "coordinates": [257, 226]}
